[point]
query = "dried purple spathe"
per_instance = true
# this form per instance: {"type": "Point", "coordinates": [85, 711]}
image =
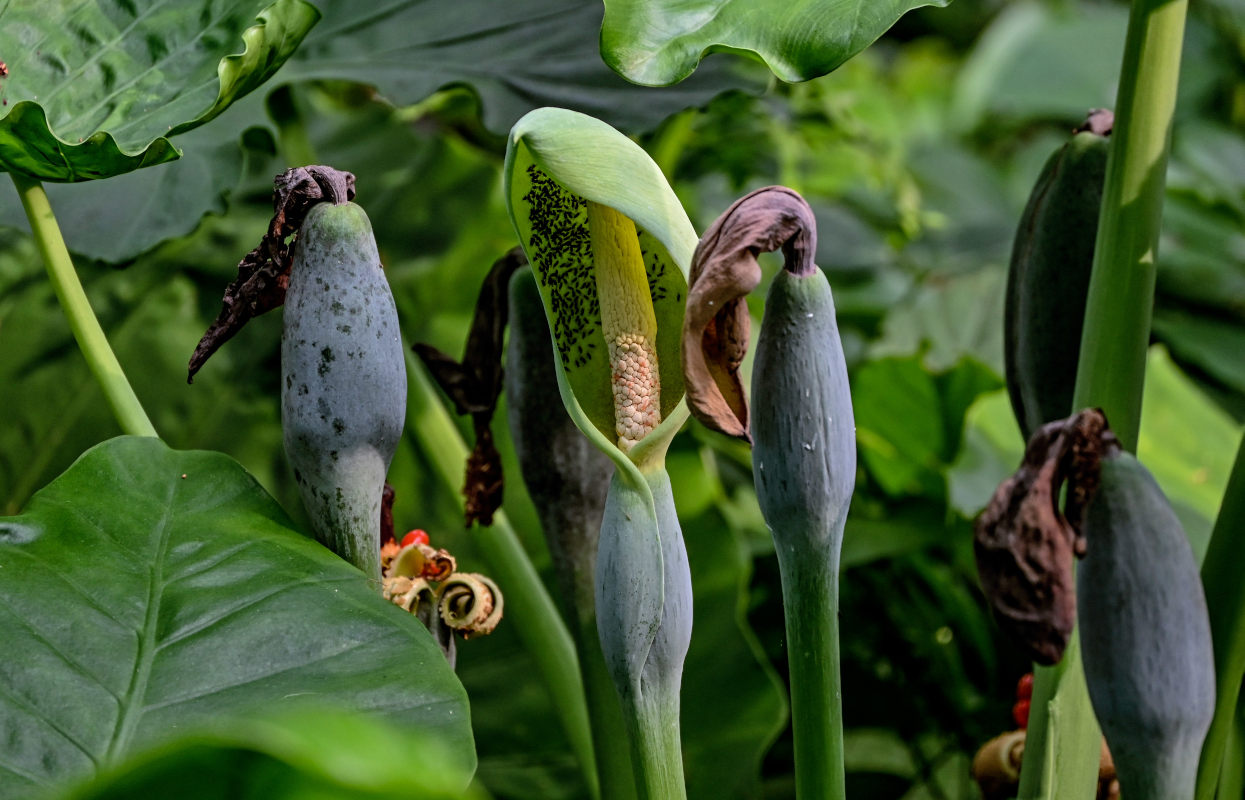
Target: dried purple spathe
{"type": "Point", "coordinates": [1025, 545]}
{"type": "Point", "coordinates": [724, 270]}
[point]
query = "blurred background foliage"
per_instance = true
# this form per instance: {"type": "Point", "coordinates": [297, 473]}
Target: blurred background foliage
{"type": "Point", "coordinates": [917, 156]}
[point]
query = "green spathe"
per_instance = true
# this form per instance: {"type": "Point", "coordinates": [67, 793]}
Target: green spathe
{"type": "Point", "coordinates": [557, 162]}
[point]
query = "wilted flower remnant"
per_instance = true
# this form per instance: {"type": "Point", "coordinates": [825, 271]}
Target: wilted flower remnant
{"type": "Point", "coordinates": [424, 580]}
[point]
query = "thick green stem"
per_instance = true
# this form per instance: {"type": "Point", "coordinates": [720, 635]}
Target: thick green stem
{"type": "Point", "coordinates": [605, 715]}
{"type": "Point", "coordinates": [528, 605]}
{"type": "Point", "coordinates": [644, 610]}
{"type": "Point", "coordinates": [1232, 778]}
{"type": "Point", "coordinates": [810, 594]}
{"type": "Point", "coordinates": [1112, 366]}
{"type": "Point", "coordinates": [1225, 600]}
{"type": "Point", "coordinates": [1062, 733]}
{"type": "Point", "coordinates": [656, 751]}
{"type": "Point", "coordinates": [1061, 755]}
{"type": "Point", "coordinates": [86, 330]}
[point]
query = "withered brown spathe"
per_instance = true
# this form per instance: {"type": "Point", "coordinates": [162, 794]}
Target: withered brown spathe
{"type": "Point", "coordinates": [1025, 545]}
{"type": "Point", "coordinates": [475, 383]}
{"type": "Point", "coordinates": [264, 273]}
{"type": "Point", "coordinates": [724, 269]}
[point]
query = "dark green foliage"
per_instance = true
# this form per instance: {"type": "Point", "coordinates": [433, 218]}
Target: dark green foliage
{"type": "Point", "coordinates": [148, 590]}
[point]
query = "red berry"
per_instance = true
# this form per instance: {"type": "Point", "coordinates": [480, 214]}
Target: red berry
{"type": "Point", "coordinates": [1020, 713]}
{"type": "Point", "coordinates": [414, 536]}
{"type": "Point", "coordinates": [1024, 689]}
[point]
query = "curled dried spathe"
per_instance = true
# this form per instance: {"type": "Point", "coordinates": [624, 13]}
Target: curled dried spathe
{"type": "Point", "coordinates": [724, 270]}
{"type": "Point", "coordinates": [1025, 545]}
{"type": "Point", "coordinates": [470, 603]}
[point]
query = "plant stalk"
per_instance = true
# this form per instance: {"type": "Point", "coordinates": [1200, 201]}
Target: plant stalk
{"type": "Point", "coordinates": [528, 604]}
{"type": "Point", "coordinates": [1061, 756]}
{"type": "Point", "coordinates": [1111, 370]}
{"type": "Point", "coordinates": [1232, 778]}
{"type": "Point", "coordinates": [1225, 600]}
{"type": "Point", "coordinates": [651, 708]}
{"type": "Point", "coordinates": [617, 779]}
{"type": "Point", "coordinates": [656, 749]}
{"type": "Point", "coordinates": [810, 595]}
{"type": "Point", "coordinates": [120, 396]}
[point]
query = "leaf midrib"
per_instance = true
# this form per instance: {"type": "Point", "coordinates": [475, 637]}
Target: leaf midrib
{"type": "Point", "coordinates": [131, 701]}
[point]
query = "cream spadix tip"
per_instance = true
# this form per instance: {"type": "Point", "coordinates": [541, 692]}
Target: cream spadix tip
{"type": "Point", "coordinates": [628, 323]}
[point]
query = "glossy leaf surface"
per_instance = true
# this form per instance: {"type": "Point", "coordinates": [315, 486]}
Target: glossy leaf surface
{"type": "Point", "coordinates": [153, 588]}
{"type": "Point", "coordinates": [95, 87]}
{"type": "Point", "coordinates": [515, 56]}
{"type": "Point", "coordinates": [298, 755]}
{"type": "Point", "coordinates": [658, 42]}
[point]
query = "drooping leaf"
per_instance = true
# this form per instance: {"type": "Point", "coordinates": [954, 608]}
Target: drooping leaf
{"type": "Point", "coordinates": [542, 52]}
{"type": "Point", "coordinates": [291, 755]}
{"type": "Point", "coordinates": [659, 42]}
{"type": "Point", "coordinates": [516, 56]}
{"type": "Point", "coordinates": [153, 588]}
{"type": "Point", "coordinates": [557, 162]}
{"type": "Point", "coordinates": [95, 89]}
{"type": "Point", "coordinates": [132, 213]}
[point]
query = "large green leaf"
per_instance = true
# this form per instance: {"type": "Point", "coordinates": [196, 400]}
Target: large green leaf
{"type": "Point", "coordinates": [304, 754]}
{"type": "Point", "coordinates": [516, 56]}
{"type": "Point", "coordinates": [95, 87]}
{"type": "Point", "coordinates": [117, 219]}
{"type": "Point", "coordinates": [54, 409]}
{"type": "Point", "coordinates": [659, 42]}
{"type": "Point", "coordinates": [542, 52]}
{"type": "Point", "coordinates": [147, 588]}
